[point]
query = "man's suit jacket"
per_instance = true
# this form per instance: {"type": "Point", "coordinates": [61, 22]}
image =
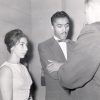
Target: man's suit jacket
{"type": "Point", "coordinates": [82, 69]}
{"type": "Point", "coordinates": [50, 50]}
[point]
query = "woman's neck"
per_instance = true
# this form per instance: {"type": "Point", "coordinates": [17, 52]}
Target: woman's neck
{"type": "Point", "coordinates": [14, 59]}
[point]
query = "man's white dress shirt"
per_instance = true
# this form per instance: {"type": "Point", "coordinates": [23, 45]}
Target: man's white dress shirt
{"type": "Point", "coordinates": [63, 46]}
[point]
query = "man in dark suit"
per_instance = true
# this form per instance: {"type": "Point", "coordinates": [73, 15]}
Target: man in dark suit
{"type": "Point", "coordinates": [81, 71]}
{"type": "Point", "coordinates": [56, 48]}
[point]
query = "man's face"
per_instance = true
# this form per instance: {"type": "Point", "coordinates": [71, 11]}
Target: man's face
{"type": "Point", "coordinates": [61, 27]}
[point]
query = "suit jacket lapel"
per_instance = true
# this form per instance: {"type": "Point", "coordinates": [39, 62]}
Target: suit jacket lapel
{"type": "Point", "coordinates": [57, 50]}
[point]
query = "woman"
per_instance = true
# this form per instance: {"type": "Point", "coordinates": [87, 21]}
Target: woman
{"type": "Point", "coordinates": [15, 81]}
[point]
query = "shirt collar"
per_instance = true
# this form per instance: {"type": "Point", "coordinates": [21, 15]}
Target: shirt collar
{"type": "Point", "coordinates": [56, 38]}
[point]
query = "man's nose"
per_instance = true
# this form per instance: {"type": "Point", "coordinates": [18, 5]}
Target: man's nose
{"type": "Point", "coordinates": [64, 29]}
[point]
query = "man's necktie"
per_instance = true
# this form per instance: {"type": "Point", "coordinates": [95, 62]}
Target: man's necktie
{"type": "Point", "coordinates": [63, 40]}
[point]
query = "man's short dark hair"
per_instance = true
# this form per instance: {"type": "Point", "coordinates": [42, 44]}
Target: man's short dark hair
{"type": "Point", "coordinates": [59, 14]}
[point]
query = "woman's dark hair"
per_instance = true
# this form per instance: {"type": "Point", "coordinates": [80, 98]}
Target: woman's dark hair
{"type": "Point", "coordinates": [12, 37]}
{"type": "Point", "coordinates": [59, 14]}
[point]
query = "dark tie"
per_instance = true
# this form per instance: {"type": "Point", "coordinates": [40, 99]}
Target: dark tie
{"type": "Point", "coordinates": [63, 40]}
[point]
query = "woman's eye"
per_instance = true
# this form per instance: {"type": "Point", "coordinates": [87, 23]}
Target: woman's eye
{"type": "Point", "coordinates": [22, 44]}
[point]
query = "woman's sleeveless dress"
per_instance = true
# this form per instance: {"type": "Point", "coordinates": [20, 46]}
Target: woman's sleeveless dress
{"type": "Point", "coordinates": [21, 81]}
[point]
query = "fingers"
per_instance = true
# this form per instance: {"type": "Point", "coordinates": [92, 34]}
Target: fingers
{"type": "Point", "coordinates": [50, 70]}
{"type": "Point", "coordinates": [51, 67]}
{"type": "Point", "coordinates": [50, 64]}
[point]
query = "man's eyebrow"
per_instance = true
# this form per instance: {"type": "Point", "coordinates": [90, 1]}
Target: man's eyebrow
{"type": "Point", "coordinates": [22, 42]}
{"type": "Point", "coordinates": [59, 24]}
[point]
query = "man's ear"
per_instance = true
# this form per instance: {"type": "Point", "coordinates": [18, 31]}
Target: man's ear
{"type": "Point", "coordinates": [52, 27]}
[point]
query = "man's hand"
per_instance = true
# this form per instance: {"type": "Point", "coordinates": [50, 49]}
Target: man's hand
{"type": "Point", "coordinates": [53, 66]}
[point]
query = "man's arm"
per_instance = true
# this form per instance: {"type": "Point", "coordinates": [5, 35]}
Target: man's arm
{"type": "Point", "coordinates": [77, 71]}
{"type": "Point", "coordinates": [54, 66]}
{"type": "Point", "coordinates": [83, 62]}
{"type": "Point", "coordinates": [45, 58]}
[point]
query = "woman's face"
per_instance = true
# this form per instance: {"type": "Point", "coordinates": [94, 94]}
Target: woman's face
{"type": "Point", "coordinates": [20, 49]}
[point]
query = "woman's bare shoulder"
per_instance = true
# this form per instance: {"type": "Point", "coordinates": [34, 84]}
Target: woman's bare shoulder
{"type": "Point", "coordinates": [5, 72]}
